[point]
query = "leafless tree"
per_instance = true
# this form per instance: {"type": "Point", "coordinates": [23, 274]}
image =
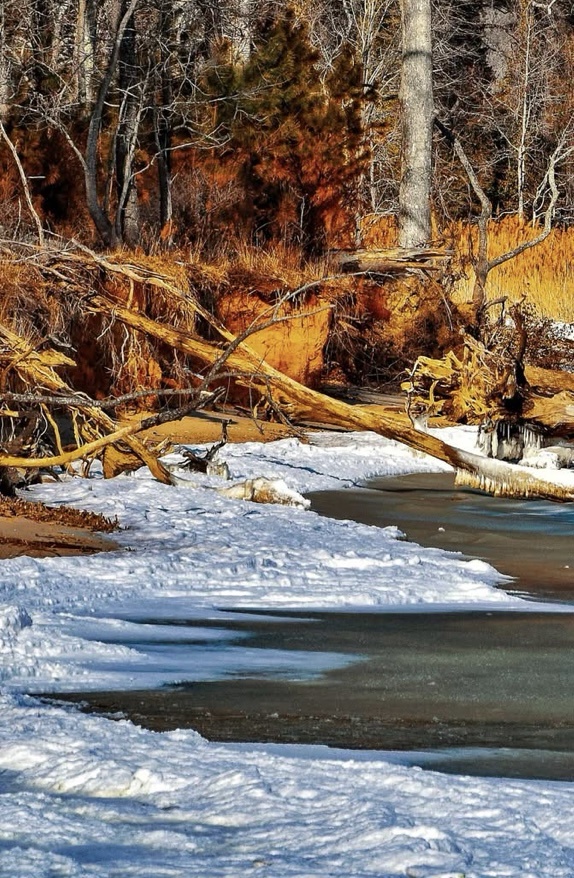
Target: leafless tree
{"type": "Point", "coordinates": [528, 53]}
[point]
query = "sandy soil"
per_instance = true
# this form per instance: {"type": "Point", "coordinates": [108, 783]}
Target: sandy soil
{"type": "Point", "coordinates": [24, 536]}
{"type": "Point", "coordinates": [33, 529]}
{"type": "Point", "coordinates": [206, 427]}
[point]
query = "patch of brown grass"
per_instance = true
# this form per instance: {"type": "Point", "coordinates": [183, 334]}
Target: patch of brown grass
{"type": "Point", "coordinates": [14, 507]}
{"type": "Point", "coordinates": [543, 276]}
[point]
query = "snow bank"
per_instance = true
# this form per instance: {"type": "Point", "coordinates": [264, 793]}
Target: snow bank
{"type": "Point", "coordinates": [84, 796]}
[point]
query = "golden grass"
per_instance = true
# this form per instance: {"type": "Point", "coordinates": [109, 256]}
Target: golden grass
{"type": "Point", "coordinates": [543, 276]}
{"type": "Point", "coordinates": [379, 232]}
{"type": "Point", "coordinates": [279, 262]}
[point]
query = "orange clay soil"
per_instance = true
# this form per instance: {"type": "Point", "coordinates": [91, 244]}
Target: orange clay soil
{"type": "Point", "coordinates": [41, 531]}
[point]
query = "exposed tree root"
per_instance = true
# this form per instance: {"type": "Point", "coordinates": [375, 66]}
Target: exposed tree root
{"type": "Point", "coordinates": [231, 358]}
{"type": "Point", "coordinates": [306, 404]}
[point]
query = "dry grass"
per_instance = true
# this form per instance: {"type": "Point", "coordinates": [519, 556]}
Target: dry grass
{"type": "Point", "coordinates": [27, 302]}
{"type": "Point", "coordinates": [543, 276]}
{"type": "Point", "coordinates": [12, 507]}
{"type": "Point", "coordinates": [370, 325]}
{"type": "Point", "coordinates": [379, 232]}
{"type": "Point", "coordinates": [278, 264]}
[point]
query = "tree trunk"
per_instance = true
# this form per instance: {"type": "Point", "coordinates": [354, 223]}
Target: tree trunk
{"type": "Point", "coordinates": [4, 66]}
{"type": "Point", "coordinates": [163, 116]}
{"type": "Point", "coordinates": [495, 476]}
{"type": "Point", "coordinates": [84, 51]}
{"type": "Point", "coordinates": [236, 26]}
{"type": "Point", "coordinates": [417, 114]}
{"type": "Point", "coordinates": [104, 226]}
{"type": "Point", "coordinates": [127, 219]}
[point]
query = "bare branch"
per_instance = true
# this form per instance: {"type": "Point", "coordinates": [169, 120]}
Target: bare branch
{"type": "Point", "coordinates": [24, 181]}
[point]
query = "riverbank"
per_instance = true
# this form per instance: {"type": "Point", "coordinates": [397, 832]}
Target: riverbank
{"type": "Point", "coordinates": [87, 796]}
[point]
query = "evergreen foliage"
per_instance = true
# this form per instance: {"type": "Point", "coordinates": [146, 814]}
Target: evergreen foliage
{"type": "Point", "coordinates": [294, 135]}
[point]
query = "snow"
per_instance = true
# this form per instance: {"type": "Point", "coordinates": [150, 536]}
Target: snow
{"type": "Point", "coordinates": [86, 796]}
{"type": "Point", "coordinates": [562, 330]}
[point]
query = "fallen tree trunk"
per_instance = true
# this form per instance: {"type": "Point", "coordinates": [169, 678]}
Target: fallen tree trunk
{"type": "Point", "coordinates": [548, 381]}
{"type": "Point", "coordinates": [390, 260]}
{"type": "Point", "coordinates": [234, 357]}
{"type": "Point", "coordinates": [554, 413]}
{"type": "Point", "coordinates": [123, 434]}
{"type": "Point", "coordinates": [494, 476]}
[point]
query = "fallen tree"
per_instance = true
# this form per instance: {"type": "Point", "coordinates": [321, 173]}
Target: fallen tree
{"type": "Point", "coordinates": [303, 403]}
{"type": "Point", "coordinates": [95, 431]}
{"type": "Point", "coordinates": [395, 260]}
{"type": "Point", "coordinates": [227, 358]}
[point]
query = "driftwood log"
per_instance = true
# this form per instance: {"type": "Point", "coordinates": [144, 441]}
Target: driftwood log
{"type": "Point", "coordinates": [387, 261]}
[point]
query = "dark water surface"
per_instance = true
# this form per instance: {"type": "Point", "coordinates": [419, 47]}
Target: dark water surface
{"type": "Point", "coordinates": [477, 692]}
{"type": "Point", "coordinates": [532, 541]}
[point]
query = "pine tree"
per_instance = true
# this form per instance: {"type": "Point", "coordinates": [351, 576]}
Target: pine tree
{"type": "Point", "coordinates": [296, 137]}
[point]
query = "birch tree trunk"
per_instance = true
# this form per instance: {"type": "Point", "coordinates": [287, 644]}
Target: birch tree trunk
{"type": "Point", "coordinates": [129, 75]}
{"type": "Point", "coordinates": [417, 116]}
{"type": "Point", "coordinates": [101, 220]}
{"type": "Point", "coordinates": [84, 51]}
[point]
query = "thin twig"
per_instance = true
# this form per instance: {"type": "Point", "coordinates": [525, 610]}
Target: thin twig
{"type": "Point", "coordinates": [25, 185]}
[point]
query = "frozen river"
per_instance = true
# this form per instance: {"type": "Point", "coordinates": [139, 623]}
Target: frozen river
{"type": "Point", "coordinates": [484, 692]}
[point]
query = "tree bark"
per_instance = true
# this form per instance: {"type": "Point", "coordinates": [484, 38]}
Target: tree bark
{"type": "Point", "coordinates": [104, 226]}
{"type": "Point", "coordinates": [127, 218]}
{"type": "Point", "coordinates": [417, 114]}
{"type": "Point", "coordinates": [84, 51]}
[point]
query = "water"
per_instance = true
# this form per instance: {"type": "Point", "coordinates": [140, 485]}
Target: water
{"type": "Point", "coordinates": [477, 692]}
{"type": "Point", "coordinates": [532, 541]}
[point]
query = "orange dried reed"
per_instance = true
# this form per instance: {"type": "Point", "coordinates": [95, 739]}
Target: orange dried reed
{"type": "Point", "coordinates": [543, 276]}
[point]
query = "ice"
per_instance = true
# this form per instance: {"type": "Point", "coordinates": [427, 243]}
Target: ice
{"type": "Point", "coordinates": [86, 796]}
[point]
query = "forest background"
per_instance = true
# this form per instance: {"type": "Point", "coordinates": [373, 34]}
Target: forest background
{"type": "Point", "coordinates": [239, 148]}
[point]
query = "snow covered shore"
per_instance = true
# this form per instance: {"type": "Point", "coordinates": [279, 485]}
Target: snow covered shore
{"type": "Point", "coordinates": [85, 796]}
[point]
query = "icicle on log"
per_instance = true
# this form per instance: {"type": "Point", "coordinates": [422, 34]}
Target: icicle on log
{"type": "Point", "coordinates": [496, 477]}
